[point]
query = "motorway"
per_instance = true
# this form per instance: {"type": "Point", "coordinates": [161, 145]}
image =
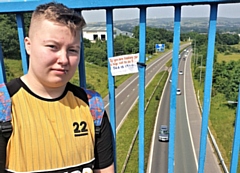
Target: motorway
{"type": "Point", "coordinates": [186, 140]}
{"type": "Point", "coordinates": [187, 133]}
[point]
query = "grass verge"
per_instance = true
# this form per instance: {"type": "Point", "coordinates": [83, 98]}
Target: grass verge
{"type": "Point", "coordinates": [221, 121]}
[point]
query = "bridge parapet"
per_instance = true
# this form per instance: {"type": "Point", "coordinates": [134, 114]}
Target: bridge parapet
{"type": "Point", "coordinates": [19, 7]}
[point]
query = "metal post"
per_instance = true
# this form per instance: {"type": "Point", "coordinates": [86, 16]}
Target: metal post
{"type": "Point", "coordinates": [111, 81]}
{"type": "Point", "coordinates": [81, 65]}
{"type": "Point", "coordinates": [21, 35]}
{"type": "Point", "coordinates": [2, 68]}
{"type": "Point", "coordinates": [207, 86]}
{"type": "Point", "coordinates": [141, 68]}
{"type": "Point", "coordinates": [173, 104]}
{"type": "Point", "coordinates": [236, 140]}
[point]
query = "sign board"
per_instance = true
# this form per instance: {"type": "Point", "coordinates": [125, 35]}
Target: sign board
{"type": "Point", "coordinates": [124, 64]}
{"type": "Point", "coordinates": [160, 47]}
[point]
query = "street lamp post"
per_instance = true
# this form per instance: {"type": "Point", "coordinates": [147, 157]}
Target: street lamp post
{"type": "Point", "coordinates": [201, 70]}
{"type": "Point", "coordinates": [195, 54]}
{"type": "Point", "coordinates": [196, 57]}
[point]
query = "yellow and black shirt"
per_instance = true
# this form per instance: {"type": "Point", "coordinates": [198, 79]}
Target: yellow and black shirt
{"type": "Point", "coordinates": [55, 135]}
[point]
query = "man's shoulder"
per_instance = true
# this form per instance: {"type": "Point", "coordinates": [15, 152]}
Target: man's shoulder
{"type": "Point", "coordinates": [77, 91]}
{"type": "Point", "coordinates": [13, 86]}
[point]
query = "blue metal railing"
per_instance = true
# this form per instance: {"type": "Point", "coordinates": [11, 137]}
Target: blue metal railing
{"type": "Point", "coordinates": [208, 85]}
{"type": "Point", "coordinates": [173, 104]}
{"type": "Point", "coordinates": [236, 140]}
{"type": "Point", "coordinates": [142, 59]}
{"type": "Point", "coordinates": [111, 81]}
{"type": "Point", "coordinates": [29, 5]}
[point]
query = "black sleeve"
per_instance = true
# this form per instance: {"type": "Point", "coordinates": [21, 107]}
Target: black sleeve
{"type": "Point", "coordinates": [104, 145]}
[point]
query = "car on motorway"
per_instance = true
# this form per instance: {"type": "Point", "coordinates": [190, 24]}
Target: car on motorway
{"type": "Point", "coordinates": [180, 72]}
{"type": "Point", "coordinates": [179, 91]}
{"type": "Point", "coordinates": [163, 133]}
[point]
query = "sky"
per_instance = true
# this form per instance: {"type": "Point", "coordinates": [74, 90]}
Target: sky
{"type": "Point", "coordinates": [224, 10]}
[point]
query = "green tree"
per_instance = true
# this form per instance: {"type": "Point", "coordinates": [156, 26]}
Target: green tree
{"type": "Point", "coordinates": [226, 78]}
{"type": "Point", "coordinates": [100, 44]}
{"type": "Point", "coordinates": [9, 36]}
{"type": "Point", "coordinates": [136, 32]}
{"type": "Point", "coordinates": [151, 46]}
{"type": "Point", "coordinates": [96, 55]}
{"type": "Point", "coordinates": [228, 39]}
{"type": "Point", "coordinates": [119, 42]}
{"type": "Point", "coordinates": [86, 43]}
{"type": "Point", "coordinates": [131, 45]}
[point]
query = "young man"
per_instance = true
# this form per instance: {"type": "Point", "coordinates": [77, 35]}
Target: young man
{"type": "Point", "coordinates": [53, 129]}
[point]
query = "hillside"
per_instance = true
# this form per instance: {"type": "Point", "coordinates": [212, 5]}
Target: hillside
{"type": "Point", "coordinates": [187, 24]}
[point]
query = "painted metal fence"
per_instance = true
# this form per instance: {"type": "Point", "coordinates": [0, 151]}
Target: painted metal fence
{"type": "Point", "coordinates": [9, 6]}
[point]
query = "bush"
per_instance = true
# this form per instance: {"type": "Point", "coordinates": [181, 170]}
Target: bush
{"type": "Point", "coordinates": [227, 53]}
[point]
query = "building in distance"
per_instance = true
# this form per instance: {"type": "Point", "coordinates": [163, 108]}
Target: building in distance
{"type": "Point", "coordinates": [100, 33]}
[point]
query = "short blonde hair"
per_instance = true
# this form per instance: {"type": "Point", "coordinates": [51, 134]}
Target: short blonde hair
{"type": "Point", "coordinates": [59, 13]}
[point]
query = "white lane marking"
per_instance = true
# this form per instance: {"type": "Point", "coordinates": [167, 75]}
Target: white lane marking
{"type": "Point", "coordinates": [189, 129]}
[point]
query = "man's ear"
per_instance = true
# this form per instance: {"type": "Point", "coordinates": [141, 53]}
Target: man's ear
{"type": "Point", "coordinates": [27, 42]}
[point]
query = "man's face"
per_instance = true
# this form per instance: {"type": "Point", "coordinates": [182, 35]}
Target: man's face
{"type": "Point", "coordinates": [53, 53]}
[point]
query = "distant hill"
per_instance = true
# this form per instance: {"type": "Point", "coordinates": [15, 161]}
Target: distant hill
{"type": "Point", "coordinates": [187, 24]}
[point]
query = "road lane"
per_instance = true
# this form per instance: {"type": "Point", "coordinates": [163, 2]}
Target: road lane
{"type": "Point", "coordinates": [184, 156]}
{"type": "Point", "coordinates": [159, 160]}
{"type": "Point", "coordinates": [194, 115]}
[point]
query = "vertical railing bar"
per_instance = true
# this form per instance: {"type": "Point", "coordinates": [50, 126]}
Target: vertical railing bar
{"type": "Point", "coordinates": [21, 35]}
{"type": "Point", "coordinates": [173, 105]}
{"type": "Point", "coordinates": [81, 65]}
{"type": "Point", "coordinates": [111, 81]}
{"type": "Point", "coordinates": [236, 140]}
{"type": "Point", "coordinates": [208, 85]}
{"type": "Point", "coordinates": [141, 68]}
{"type": "Point", "coordinates": [2, 68]}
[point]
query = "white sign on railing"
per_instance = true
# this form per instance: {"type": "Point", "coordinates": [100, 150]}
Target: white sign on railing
{"type": "Point", "coordinates": [124, 64]}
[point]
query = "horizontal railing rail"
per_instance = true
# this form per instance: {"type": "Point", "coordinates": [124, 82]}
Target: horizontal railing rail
{"type": "Point", "coordinates": [9, 6]}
